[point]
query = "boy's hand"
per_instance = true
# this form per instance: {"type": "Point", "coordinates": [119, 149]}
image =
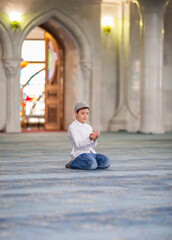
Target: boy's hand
{"type": "Point", "coordinates": [93, 136]}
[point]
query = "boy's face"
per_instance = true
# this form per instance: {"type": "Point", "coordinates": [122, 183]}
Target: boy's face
{"type": "Point", "coordinates": [82, 115]}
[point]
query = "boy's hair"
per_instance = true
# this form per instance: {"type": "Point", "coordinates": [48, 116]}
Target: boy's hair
{"type": "Point", "coordinates": [81, 109]}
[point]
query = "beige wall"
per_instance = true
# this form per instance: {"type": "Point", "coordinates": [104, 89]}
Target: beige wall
{"type": "Point", "coordinates": [103, 70]}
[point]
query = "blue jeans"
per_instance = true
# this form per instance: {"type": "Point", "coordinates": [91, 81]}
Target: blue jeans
{"type": "Point", "coordinates": [89, 161]}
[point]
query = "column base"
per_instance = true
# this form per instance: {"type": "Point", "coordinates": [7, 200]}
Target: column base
{"type": "Point", "coordinates": [119, 122]}
{"type": "Point", "coordinates": [124, 121]}
{"type": "Point", "coordinates": [13, 128]}
{"type": "Point", "coordinates": [152, 129]}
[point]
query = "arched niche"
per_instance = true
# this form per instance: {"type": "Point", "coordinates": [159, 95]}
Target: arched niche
{"type": "Point", "coordinates": [78, 64]}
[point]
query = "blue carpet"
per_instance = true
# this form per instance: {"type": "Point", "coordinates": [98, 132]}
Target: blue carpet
{"type": "Point", "coordinates": [42, 200]}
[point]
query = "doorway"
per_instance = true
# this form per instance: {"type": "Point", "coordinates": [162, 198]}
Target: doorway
{"type": "Point", "coordinates": [42, 82]}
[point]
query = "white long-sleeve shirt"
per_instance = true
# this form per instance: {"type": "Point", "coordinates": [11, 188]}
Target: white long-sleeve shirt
{"type": "Point", "coordinates": [78, 134]}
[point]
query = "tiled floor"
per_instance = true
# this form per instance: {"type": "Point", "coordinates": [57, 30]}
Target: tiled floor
{"type": "Point", "coordinates": [41, 200]}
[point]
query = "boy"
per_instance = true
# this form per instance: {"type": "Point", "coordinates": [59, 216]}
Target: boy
{"type": "Point", "coordinates": [82, 140]}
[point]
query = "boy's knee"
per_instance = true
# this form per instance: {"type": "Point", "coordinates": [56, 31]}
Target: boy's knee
{"type": "Point", "coordinates": [91, 165]}
{"type": "Point", "coordinates": [107, 163]}
{"type": "Point", "coordinates": [88, 161]}
{"type": "Point", "coordinates": [104, 163]}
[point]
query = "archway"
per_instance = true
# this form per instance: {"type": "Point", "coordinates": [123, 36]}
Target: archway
{"type": "Point", "coordinates": [78, 64]}
{"type": "Point", "coordinates": [77, 57]}
{"type": "Point", "coordinates": [42, 82]}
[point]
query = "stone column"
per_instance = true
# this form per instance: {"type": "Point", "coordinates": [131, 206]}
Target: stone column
{"type": "Point", "coordinates": [86, 68]}
{"type": "Point", "coordinates": [12, 68]}
{"type": "Point", "coordinates": [120, 118]}
{"type": "Point", "coordinates": [152, 56]}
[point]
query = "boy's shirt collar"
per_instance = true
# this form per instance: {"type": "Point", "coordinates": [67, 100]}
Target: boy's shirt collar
{"type": "Point", "coordinates": [79, 123]}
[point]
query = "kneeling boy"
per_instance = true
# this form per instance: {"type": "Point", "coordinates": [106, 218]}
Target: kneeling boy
{"type": "Point", "coordinates": [82, 140]}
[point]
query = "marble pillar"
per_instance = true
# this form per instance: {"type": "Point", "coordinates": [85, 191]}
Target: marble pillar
{"type": "Point", "coordinates": [152, 56]}
{"type": "Point", "coordinates": [119, 120]}
{"type": "Point", "coordinates": [12, 68]}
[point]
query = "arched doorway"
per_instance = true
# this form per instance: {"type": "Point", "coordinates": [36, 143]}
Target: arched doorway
{"type": "Point", "coordinates": [42, 82]}
{"type": "Point", "coordinates": [79, 70]}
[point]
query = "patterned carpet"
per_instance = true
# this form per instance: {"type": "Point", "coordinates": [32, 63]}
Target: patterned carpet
{"type": "Point", "coordinates": [41, 200]}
